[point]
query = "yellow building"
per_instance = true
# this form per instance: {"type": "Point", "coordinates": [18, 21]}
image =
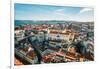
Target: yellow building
{"type": "Point", "coordinates": [66, 35]}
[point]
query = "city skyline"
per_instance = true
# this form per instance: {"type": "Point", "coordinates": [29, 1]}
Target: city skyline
{"type": "Point", "coordinates": [47, 12]}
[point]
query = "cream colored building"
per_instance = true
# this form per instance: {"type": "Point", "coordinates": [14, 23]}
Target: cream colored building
{"type": "Point", "coordinates": [66, 35]}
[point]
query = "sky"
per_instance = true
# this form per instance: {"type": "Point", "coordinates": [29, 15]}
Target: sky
{"type": "Point", "coordinates": [47, 12]}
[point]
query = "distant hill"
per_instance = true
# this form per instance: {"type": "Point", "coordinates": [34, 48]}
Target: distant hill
{"type": "Point", "coordinates": [19, 22]}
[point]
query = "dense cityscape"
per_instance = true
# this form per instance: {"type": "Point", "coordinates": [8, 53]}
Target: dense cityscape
{"type": "Point", "coordinates": [53, 42]}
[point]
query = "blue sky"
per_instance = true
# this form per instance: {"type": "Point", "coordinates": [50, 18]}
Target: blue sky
{"type": "Point", "coordinates": [46, 12]}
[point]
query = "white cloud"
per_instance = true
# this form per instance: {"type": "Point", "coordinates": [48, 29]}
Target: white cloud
{"type": "Point", "coordinates": [59, 11]}
{"type": "Point", "coordinates": [85, 10]}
